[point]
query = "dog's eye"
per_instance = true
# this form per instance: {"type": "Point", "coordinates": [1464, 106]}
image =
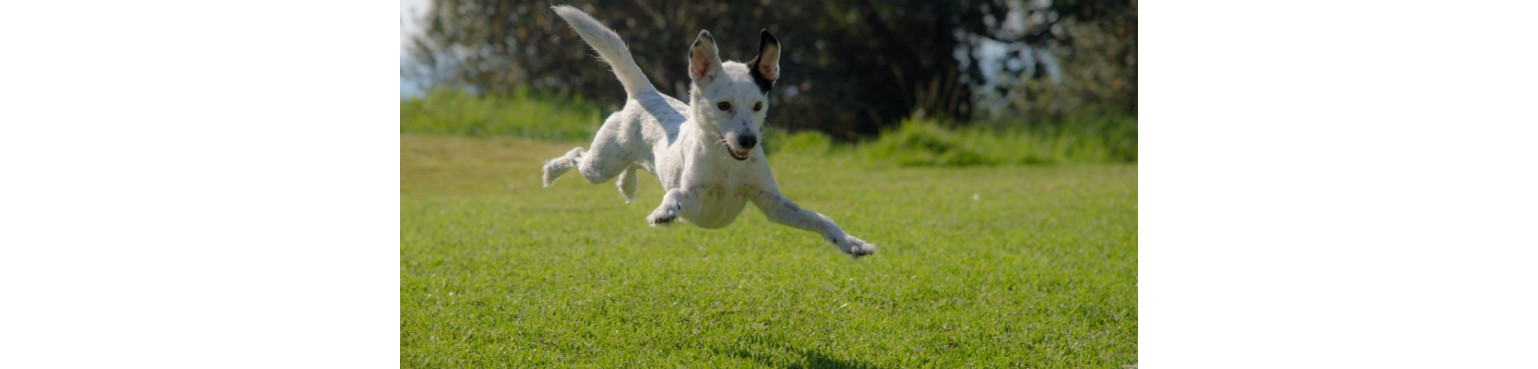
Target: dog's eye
{"type": "Point", "coordinates": [758, 106]}
{"type": "Point", "coordinates": [724, 105]}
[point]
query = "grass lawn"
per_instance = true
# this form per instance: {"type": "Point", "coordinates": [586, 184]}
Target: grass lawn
{"type": "Point", "coordinates": [977, 267]}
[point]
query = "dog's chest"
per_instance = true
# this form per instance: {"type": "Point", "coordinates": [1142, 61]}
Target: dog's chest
{"type": "Point", "coordinates": [718, 203]}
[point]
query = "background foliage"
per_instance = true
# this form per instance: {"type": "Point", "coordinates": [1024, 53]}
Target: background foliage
{"type": "Point", "coordinates": [916, 141]}
{"type": "Point", "coordinates": [851, 69]}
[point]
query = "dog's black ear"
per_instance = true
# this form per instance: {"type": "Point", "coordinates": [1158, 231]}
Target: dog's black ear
{"type": "Point", "coordinates": [704, 59]}
{"type": "Point", "coordinates": [765, 67]}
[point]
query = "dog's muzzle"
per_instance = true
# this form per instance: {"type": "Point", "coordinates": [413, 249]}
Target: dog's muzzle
{"type": "Point", "coordinates": [740, 146]}
{"type": "Point", "coordinates": [746, 142]}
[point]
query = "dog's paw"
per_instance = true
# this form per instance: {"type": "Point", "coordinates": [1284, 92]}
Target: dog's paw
{"type": "Point", "coordinates": [661, 217]}
{"type": "Point", "coordinates": [554, 168]}
{"type": "Point", "coordinates": [547, 177]}
{"type": "Point", "coordinates": [855, 246]}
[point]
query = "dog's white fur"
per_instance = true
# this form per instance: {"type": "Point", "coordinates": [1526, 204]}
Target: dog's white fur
{"type": "Point", "coordinates": [704, 152]}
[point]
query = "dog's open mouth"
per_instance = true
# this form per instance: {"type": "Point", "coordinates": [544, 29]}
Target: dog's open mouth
{"type": "Point", "coordinates": [739, 155]}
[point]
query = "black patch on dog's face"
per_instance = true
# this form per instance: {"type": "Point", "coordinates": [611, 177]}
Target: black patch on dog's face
{"type": "Point", "coordinates": [764, 85]}
{"type": "Point", "coordinates": [765, 40]}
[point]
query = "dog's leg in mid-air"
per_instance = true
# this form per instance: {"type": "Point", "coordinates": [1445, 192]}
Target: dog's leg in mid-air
{"type": "Point", "coordinates": [673, 202]}
{"type": "Point", "coordinates": [597, 165]}
{"type": "Point", "coordinates": [780, 209]}
{"type": "Point", "coordinates": [608, 156]}
{"type": "Point", "coordinates": [554, 168]}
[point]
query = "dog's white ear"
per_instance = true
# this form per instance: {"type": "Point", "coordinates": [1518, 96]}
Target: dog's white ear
{"type": "Point", "coordinates": [704, 58]}
{"type": "Point", "coordinates": [765, 67]}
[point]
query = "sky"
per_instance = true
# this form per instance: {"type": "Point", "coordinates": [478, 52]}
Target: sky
{"type": "Point", "coordinates": [410, 10]}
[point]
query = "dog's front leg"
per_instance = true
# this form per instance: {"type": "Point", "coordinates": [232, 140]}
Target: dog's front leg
{"type": "Point", "coordinates": [672, 203]}
{"type": "Point", "coordinates": [780, 209]}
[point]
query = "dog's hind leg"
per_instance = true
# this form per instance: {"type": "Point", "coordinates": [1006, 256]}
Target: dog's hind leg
{"type": "Point", "coordinates": [626, 183]}
{"type": "Point", "coordinates": [554, 168]}
{"type": "Point", "coordinates": [604, 159]}
{"type": "Point", "coordinates": [592, 164]}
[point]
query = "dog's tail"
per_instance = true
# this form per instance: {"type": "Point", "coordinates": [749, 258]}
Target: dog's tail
{"type": "Point", "coordinates": [609, 47]}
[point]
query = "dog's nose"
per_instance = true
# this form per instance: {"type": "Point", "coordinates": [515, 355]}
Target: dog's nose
{"type": "Point", "coordinates": [747, 141]}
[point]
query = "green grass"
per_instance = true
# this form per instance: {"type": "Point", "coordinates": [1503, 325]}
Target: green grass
{"type": "Point", "coordinates": [979, 266]}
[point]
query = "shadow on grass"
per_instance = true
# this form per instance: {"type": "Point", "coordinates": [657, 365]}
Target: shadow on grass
{"type": "Point", "coordinates": [776, 357]}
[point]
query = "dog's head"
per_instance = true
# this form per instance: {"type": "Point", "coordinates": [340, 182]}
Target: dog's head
{"type": "Point", "coordinates": [732, 98]}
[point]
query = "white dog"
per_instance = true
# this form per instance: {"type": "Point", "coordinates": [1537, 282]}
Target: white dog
{"type": "Point", "coordinates": [706, 152]}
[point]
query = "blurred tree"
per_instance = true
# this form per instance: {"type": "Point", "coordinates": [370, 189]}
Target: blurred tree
{"type": "Point", "coordinates": [1064, 59]}
{"type": "Point", "coordinates": [850, 68]}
